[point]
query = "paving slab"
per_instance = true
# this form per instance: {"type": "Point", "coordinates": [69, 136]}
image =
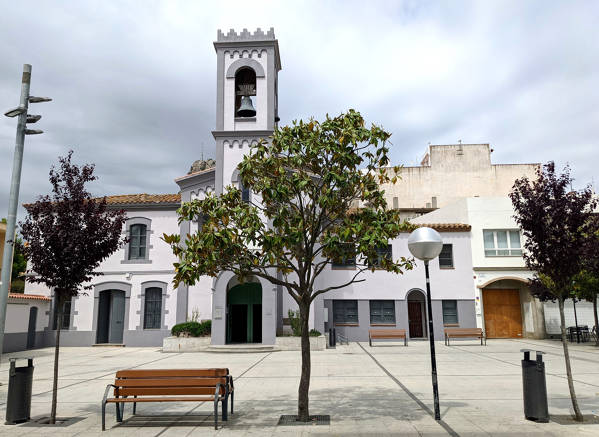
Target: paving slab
{"type": "Point", "coordinates": [367, 391]}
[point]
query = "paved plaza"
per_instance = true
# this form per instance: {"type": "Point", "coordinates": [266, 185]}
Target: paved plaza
{"type": "Point", "coordinates": [367, 391]}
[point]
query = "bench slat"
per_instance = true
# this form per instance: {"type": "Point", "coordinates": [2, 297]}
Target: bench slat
{"type": "Point", "coordinates": [172, 399]}
{"type": "Point", "coordinates": [144, 391]}
{"type": "Point", "coordinates": [185, 382]}
{"type": "Point", "coordinates": [153, 373]}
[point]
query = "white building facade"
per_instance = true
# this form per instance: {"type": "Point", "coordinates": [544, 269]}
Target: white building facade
{"type": "Point", "coordinates": [134, 302]}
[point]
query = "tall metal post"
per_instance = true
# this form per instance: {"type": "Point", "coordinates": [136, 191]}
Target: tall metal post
{"type": "Point", "coordinates": [431, 336]}
{"type": "Point", "coordinates": [13, 203]}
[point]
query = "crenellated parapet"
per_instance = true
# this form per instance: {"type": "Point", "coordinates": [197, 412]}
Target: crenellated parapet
{"type": "Point", "coordinates": [245, 35]}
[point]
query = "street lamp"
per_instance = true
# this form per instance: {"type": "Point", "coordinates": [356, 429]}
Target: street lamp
{"type": "Point", "coordinates": [426, 244]}
{"type": "Point", "coordinates": [11, 221]}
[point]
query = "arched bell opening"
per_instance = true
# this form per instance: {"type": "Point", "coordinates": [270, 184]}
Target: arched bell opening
{"type": "Point", "coordinates": [244, 311]}
{"type": "Point", "coordinates": [245, 88]}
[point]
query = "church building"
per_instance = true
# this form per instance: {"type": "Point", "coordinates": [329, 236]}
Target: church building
{"type": "Point", "coordinates": [134, 302]}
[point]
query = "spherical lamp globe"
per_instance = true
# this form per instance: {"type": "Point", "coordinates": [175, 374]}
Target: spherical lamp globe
{"type": "Point", "coordinates": [425, 243]}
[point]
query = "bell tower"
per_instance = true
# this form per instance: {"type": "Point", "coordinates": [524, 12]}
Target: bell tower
{"type": "Point", "coordinates": [246, 97]}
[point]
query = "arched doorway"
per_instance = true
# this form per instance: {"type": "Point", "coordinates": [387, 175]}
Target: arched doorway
{"type": "Point", "coordinates": [244, 313]}
{"type": "Point", "coordinates": [502, 307]}
{"type": "Point", "coordinates": [31, 327]}
{"type": "Point", "coordinates": [416, 314]}
{"type": "Point", "coordinates": [111, 316]}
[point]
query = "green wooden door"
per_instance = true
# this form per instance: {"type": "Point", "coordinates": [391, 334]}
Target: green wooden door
{"type": "Point", "coordinates": [244, 313]}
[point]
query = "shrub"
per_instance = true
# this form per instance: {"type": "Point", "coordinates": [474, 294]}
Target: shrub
{"type": "Point", "coordinates": [294, 321]}
{"type": "Point", "coordinates": [296, 327]}
{"type": "Point", "coordinates": [192, 329]}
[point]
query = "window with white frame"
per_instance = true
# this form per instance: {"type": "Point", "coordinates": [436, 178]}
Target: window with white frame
{"type": "Point", "coordinates": [502, 242]}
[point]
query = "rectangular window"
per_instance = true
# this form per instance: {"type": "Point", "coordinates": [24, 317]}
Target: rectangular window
{"type": "Point", "coordinates": [348, 256]}
{"type": "Point", "coordinates": [446, 257]}
{"type": "Point", "coordinates": [152, 308]}
{"type": "Point", "coordinates": [383, 252]}
{"type": "Point", "coordinates": [450, 312]}
{"type": "Point", "coordinates": [382, 311]}
{"type": "Point", "coordinates": [345, 311]}
{"type": "Point", "coordinates": [66, 316]}
{"type": "Point", "coordinates": [502, 242]}
{"type": "Point", "coordinates": [137, 241]}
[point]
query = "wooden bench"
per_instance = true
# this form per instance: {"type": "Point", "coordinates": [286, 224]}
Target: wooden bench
{"type": "Point", "coordinates": [465, 333]}
{"type": "Point", "coordinates": [388, 334]}
{"type": "Point", "coordinates": [170, 385]}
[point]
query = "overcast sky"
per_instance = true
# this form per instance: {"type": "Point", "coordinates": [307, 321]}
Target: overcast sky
{"type": "Point", "coordinates": [133, 82]}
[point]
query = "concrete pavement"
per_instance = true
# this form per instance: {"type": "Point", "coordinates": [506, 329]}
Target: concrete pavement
{"type": "Point", "coordinates": [367, 391]}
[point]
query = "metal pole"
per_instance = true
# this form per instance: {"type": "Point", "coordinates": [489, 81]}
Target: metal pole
{"type": "Point", "coordinates": [431, 336]}
{"type": "Point", "coordinates": [576, 322]}
{"type": "Point", "coordinates": [13, 202]}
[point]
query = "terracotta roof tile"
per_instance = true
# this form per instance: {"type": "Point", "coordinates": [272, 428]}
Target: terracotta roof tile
{"type": "Point", "coordinates": [445, 227]}
{"type": "Point", "coordinates": [28, 296]}
{"type": "Point", "coordinates": [145, 199]}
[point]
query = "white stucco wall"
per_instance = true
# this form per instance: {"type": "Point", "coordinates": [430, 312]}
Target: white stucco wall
{"type": "Point", "coordinates": [453, 283]}
{"type": "Point", "coordinates": [17, 315]}
{"type": "Point", "coordinates": [114, 270]}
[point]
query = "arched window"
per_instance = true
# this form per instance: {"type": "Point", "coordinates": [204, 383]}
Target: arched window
{"type": "Point", "coordinates": [245, 193]}
{"type": "Point", "coordinates": [152, 308]}
{"type": "Point", "coordinates": [137, 241]}
{"type": "Point", "coordinates": [245, 87]}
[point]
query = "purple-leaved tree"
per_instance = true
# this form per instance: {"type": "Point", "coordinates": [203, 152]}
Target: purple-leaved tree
{"type": "Point", "coordinates": [68, 233]}
{"type": "Point", "coordinates": [554, 220]}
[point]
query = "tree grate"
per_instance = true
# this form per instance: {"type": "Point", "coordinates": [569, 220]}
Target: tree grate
{"type": "Point", "coordinates": [317, 419]}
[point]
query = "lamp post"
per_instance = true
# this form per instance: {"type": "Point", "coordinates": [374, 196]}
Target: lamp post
{"type": "Point", "coordinates": [11, 221]}
{"type": "Point", "coordinates": [426, 244]}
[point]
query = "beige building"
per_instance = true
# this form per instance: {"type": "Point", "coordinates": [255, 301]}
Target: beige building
{"type": "Point", "coordinates": [451, 172]}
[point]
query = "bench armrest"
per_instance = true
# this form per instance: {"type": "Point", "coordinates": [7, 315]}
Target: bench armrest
{"type": "Point", "coordinates": [106, 392]}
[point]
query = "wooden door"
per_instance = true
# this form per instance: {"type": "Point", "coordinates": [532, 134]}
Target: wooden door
{"type": "Point", "coordinates": [503, 314]}
{"type": "Point", "coordinates": [415, 319]}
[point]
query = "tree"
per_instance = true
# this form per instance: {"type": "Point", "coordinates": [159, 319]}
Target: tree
{"type": "Point", "coordinates": [19, 264]}
{"type": "Point", "coordinates": [306, 184]}
{"type": "Point", "coordinates": [586, 286]}
{"type": "Point", "coordinates": [586, 283]}
{"type": "Point", "coordinates": [68, 234]}
{"type": "Point", "coordinates": [554, 220]}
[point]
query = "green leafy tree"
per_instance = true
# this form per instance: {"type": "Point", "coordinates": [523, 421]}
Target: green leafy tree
{"type": "Point", "coordinates": [19, 261]}
{"type": "Point", "coordinates": [586, 286]}
{"type": "Point", "coordinates": [555, 222]}
{"type": "Point", "coordinates": [306, 184]}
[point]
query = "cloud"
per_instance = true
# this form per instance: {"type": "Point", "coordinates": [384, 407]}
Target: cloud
{"type": "Point", "coordinates": [134, 82]}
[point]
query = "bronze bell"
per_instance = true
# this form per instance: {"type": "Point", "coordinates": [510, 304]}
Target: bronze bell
{"type": "Point", "coordinates": [246, 108]}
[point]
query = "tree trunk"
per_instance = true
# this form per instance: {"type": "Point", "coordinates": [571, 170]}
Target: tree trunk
{"type": "Point", "coordinates": [303, 413]}
{"type": "Point", "coordinates": [577, 412]}
{"type": "Point", "coordinates": [56, 350]}
{"type": "Point", "coordinates": [596, 320]}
